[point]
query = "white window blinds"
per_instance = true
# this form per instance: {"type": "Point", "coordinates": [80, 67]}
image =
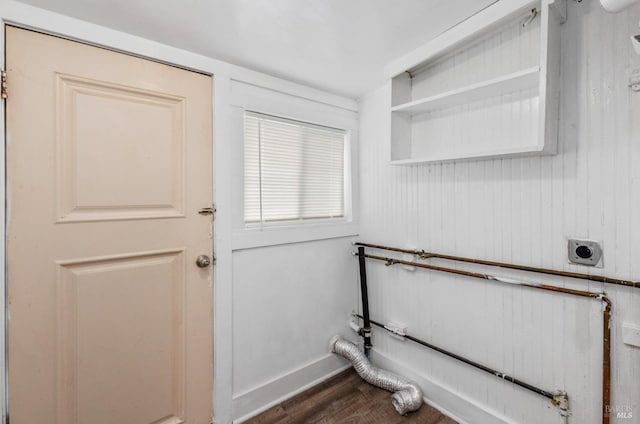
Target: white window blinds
{"type": "Point", "coordinates": [292, 170]}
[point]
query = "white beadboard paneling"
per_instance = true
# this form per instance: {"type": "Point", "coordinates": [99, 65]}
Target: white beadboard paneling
{"type": "Point", "coordinates": [467, 31]}
{"type": "Point", "coordinates": [519, 210]}
{"type": "Point", "coordinates": [442, 397]}
{"type": "Point", "coordinates": [509, 50]}
{"type": "Point", "coordinates": [461, 131]}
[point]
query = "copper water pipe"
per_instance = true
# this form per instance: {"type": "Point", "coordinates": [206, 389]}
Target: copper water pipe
{"type": "Point", "coordinates": [606, 313]}
{"type": "Point", "coordinates": [606, 360]}
{"type": "Point", "coordinates": [427, 255]}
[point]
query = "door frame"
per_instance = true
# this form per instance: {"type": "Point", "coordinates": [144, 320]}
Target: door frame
{"type": "Point", "coordinates": [32, 18]}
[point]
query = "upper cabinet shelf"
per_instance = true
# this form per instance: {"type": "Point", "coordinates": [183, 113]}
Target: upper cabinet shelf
{"type": "Point", "coordinates": [514, 81]}
{"type": "Point", "coordinates": [488, 87]}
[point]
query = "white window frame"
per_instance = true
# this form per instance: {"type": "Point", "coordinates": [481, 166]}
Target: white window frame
{"type": "Point", "coordinates": [345, 190]}
{"type": "Point", "coordinates": [250, 98]}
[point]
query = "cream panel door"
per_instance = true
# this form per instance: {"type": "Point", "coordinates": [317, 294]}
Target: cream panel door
{"type": "Point", "coordinates": [109, 161]}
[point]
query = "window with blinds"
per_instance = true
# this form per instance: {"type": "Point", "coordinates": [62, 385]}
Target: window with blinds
{"type": "Point", "coordinates": [293, 171]}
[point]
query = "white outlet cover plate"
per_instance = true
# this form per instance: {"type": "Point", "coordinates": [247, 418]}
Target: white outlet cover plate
{"type": "Point", "coordinates": [631, 334]}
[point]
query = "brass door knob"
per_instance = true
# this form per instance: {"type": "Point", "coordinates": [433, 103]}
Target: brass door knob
{"type": "Point", "coordinates": [203, 261]}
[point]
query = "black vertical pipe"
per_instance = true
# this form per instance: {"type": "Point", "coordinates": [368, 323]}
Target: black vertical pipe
{"type": "Point", "coordinates": [366, 331]}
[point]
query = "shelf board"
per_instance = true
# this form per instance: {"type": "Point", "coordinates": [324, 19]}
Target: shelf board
{"type": "Point", "coordinates": [526, 78]}
{"type": "Point", "coordinates": [498, 153]}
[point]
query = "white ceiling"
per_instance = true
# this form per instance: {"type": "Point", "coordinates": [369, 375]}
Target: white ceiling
{"type": "Point", "coordinates": [337, 45]}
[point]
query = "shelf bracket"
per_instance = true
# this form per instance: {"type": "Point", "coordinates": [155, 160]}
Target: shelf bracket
{"type": "Point", "coordinates": [530, 18]}
{"type": "Point", "coordinates": [560, 6]}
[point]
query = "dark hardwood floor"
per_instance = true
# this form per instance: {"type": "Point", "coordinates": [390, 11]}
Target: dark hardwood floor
{"type": "Point", "coordinates": [345, 398]}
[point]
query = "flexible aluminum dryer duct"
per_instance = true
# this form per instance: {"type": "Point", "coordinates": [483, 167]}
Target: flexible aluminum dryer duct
{"type": "Point", "coordinates": [407, 396]}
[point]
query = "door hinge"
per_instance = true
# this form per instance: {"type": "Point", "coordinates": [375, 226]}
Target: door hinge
{"type": "Point", "coordinates": [208, 211]}
{"type": "Point", "coordinates": [3, 84]}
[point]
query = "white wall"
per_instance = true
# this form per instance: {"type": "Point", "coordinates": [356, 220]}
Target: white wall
{"type": "Point", "coordinates": [289, 301]}
{"type": "Point", "coordinates": [519, 210]}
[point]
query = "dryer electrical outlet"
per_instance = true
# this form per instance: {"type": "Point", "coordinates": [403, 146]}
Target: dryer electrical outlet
{"type": "Point", "coordinates": [585, 252]}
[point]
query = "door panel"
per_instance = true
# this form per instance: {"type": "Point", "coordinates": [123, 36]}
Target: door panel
{"type": "Point", "coordinates": [150, 183]}
{"type": "Point", "coordinates": [105, 309]}
{"type": "Point", "coordinates": [109, 161]}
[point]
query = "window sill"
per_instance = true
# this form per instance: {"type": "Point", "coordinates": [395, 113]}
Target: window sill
{"type": "Point", "coordinates": [272, 236]}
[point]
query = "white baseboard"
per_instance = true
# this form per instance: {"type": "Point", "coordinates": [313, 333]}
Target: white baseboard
{"type": "Point", "coordinates": [448, 401]}
{"type": "Point", "coordinates": [254, 401]}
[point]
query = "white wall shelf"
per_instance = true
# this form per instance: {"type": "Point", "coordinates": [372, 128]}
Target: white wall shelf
{"type": "Point", "coordinates": [486, 88]}
{"type": "Point", "coordinates": [527, 78]}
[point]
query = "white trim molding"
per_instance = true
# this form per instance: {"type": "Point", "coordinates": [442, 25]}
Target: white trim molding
{"type": "Point", "coordinates": [258, 399]}
{"type": "Point", "coordinates": [258, 98]}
